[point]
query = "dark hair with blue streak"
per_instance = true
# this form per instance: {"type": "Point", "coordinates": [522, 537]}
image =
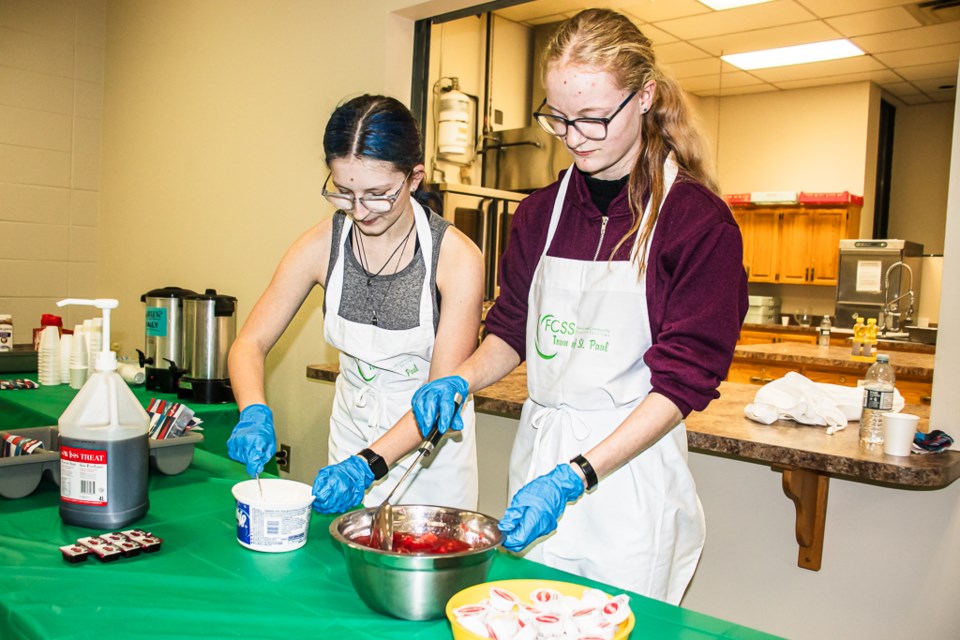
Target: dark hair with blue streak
{"type": "Point", "coordinates": [379, 128]}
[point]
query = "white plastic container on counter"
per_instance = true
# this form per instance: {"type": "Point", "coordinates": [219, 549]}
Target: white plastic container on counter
{"type": "Point", "coordinates": [272, 514]}
{"type": "Point", "coordinates": [104, 451]}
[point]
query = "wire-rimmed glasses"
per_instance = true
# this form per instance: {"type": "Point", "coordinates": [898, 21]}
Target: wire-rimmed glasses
{"type": "Point", "coordinates": [589, 128]}
{"type": "Point", "coordinates": [373, 204]}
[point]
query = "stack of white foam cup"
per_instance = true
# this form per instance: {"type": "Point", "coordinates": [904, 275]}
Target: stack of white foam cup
{"type": "Point", "coordinates": [48, 360]}
{"type": "Point", "coordinates": [78, 358]}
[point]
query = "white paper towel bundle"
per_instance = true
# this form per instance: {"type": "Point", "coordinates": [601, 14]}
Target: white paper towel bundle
{"type": "Point", "coordinates": [798, 398]}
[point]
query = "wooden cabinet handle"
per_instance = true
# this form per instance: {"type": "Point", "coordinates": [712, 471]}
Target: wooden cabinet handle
{"type": "Point", "coordinates": [759, 380]}
{"type": "Point", "coordinates": [812, 271]}
{"type": "Point", "coordinates": [806, 274]}
{"type": "Point", "coordinates": [925, 399]}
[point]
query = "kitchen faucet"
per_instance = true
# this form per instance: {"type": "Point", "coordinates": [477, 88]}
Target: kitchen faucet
{"type": "Point", "coordinates": [890, 305]}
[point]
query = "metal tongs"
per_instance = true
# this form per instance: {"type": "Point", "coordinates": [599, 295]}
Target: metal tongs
{"type": "Point", "coordinates": [381, 525]}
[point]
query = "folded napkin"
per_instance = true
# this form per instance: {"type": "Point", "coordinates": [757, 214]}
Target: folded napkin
{"type": "Point", "coordinates": [798, 398]}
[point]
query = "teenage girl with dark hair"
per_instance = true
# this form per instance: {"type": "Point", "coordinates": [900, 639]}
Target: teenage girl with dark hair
{"type": "Point", "coordinates": [622, 287]}
{"type": "Point", "coordinates": [403, 294]}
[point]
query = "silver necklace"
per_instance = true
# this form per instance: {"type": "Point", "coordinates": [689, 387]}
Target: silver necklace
{"type": "Point", "coordinates": [398, 252]}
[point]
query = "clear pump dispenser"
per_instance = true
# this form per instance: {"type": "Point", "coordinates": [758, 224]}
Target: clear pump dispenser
{"type": "Point", "coordinates": [104, 451]}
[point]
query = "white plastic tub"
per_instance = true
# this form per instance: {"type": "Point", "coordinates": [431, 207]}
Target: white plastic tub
{"type": "Point", "coordinates": [276, 522]}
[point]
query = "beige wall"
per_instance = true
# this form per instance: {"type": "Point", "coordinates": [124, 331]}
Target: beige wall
{"type": "Point", "coordinates": [51, 113]}
{"type": "Point", "coordinates": [923, 136]}
{"type": "Point", "coordinates": [213, 113]}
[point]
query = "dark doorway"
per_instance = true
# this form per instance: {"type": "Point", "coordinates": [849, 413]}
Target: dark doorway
{"type": "Point", "coordinates": [881, 207]}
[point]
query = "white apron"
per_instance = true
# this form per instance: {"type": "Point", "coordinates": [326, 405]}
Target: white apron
{"type": "Point", "coordinates": [642, 528]}
{"type": "Point", "coordinates": [380, 370]}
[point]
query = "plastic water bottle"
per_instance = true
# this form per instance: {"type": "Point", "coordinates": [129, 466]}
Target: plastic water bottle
{"type": "Point", "coordinates": [823, 337]}
{"type": "Point", "coordinates": [877, 399]}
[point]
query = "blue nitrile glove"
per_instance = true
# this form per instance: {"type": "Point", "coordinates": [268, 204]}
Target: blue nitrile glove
{"type": "Point", "coordinates": [341, 486]}
{"type": "Point", "coordinates": [438, 397]}
{"type": "Point", "coordinates": [253, 441]}
{"type": "Point", "coordinates": [538, 505]}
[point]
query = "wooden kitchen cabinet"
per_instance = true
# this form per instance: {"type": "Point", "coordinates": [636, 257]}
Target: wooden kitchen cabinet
{"type": "Point", "coordinates": [773, 336]}
{"type": "Point", "coordinates": [758, 374]}
{"type": "Point", "coordinates": [760, 228]}
{"type": "Point", "coordinates": [795, 244]}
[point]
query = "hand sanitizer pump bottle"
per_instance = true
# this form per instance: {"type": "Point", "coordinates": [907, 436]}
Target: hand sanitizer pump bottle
{"type": "Point", "coordinates": [104, 451]}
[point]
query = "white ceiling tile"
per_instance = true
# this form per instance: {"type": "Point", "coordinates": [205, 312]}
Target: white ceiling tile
{"type": "Point", "coordinates": [538, 8]}
{"type": "Point", "coordinates": [678, 52]}
{"type": "Point", "coordinates": [657, 36]}
{"type": "Point", "coordinates": [727, 81]}
{"type": "Point", "coordinates": [923, 55]}
{"type": "Point", "coordinates": [929, 85]}
{"type": "Point", "coordinates": [828, 8]}
{"type": "Point", "coordinates": [553, 17]}
{"type": "Point", "coordinates": [879, 76]}
{"type": "Point", "coordinates": [654, 10]}
{"type": "Point", "coordinates": [944, 96]}
{"type": "Point", "coordinates": [734, 91]}
{"type": "Point", "coordinates": [689, 37]}
{"type": "Point", "coordinates": [757, 16]}
{"type": "Point", "coordinates": [693, 68]}
{"type": "Point", "coordinates": [859, 24]}
{"type": "Point", "coordinates": [899, 88]}
{"type": "Point", "coordinates": [774, 37]}
{"type": "Point", "coordinates": [910, 38]}
{"type": "Point", "coordinates": [928, 71]}
{"type": "Point", "coordinates": [916, 98]}
{"type": "Point", "coordinates": [777, 75]}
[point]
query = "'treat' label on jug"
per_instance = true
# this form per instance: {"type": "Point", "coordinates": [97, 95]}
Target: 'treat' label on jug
{"type": "Point", "coordinates": [83, 476]}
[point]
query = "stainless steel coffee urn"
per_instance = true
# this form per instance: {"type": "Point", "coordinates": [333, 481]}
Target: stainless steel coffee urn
{"type": "Point", "coordinates": [163, 357]}
{"type": "Point", "coordinates": [210, 325]}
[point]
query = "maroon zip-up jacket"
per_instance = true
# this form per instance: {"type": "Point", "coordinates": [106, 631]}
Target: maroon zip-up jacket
{"type": "Point", "coordinates": [696, 284]}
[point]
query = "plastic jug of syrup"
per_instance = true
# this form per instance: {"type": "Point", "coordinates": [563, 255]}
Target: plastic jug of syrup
{"type": "Point", "coordinates": [104, 451]}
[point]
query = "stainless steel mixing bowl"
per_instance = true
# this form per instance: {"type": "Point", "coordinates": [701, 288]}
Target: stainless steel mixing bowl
{"type": "Point", "coordinates": [416, 586]}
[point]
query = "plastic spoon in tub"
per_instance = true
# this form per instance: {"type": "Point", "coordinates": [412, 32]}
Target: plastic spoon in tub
{"type": "Point", "coordinates": [381, 526]}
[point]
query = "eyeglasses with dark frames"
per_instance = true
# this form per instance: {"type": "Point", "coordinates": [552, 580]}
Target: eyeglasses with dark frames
{"type": "Point", "coordinates": [373, 204]}
{"type": "Point", "coordinates": [589, 128]}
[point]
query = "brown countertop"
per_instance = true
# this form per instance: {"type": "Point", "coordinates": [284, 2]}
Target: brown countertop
{"type": "Point", "coordinates": [723, 429]}
{"type": "Point", "coordinates": [886, 345]}
{"type": "Point", "coordinates": [904, 363]}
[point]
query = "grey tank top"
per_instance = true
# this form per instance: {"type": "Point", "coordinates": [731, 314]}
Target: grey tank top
{"type": "Point", "coordinates": [395, 297]}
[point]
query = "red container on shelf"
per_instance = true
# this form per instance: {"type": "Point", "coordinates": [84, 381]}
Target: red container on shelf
{"type": "Point", "coordinates": [835, 197]}
{"type": "Point", "coordinates": [737, 198]}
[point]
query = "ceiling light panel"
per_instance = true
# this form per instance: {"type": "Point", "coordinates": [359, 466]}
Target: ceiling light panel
{"type": "Point", "coordinates": [797, 54]}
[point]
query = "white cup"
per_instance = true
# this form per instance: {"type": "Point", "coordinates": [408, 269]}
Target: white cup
{"type": "Point", "coordinates": [898, 432]}
{"type": "Point", "coordinates": [784, 320]}
{"type": "Point", "coordinates": [131, 373]}
{"type": "Point", "coordinates": [78, 375]}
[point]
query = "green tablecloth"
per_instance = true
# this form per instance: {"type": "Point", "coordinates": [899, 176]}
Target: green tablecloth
{"type": "Point", "coordinates": [42, 407]}
{"type": "Point", "coordinates": [203, 584]}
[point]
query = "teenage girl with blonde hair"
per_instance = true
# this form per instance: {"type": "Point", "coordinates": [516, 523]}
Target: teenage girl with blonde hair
{"type": "Point", "coordinates": [623, 289]}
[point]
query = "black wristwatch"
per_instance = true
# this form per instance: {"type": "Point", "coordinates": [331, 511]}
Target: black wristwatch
{"type": "Point", "coordinates": [588, 471]}
{"type": "Point", "coordinates": [377, 464]}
